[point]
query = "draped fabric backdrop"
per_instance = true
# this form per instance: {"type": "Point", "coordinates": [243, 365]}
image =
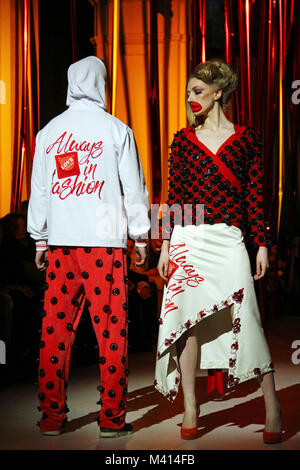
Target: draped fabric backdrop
{"type": "Point", "coordinates": [19, 108]}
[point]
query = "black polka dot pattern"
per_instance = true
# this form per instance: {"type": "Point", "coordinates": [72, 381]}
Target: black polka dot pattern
{"type": "Point", "coordinates": [223, 202]}
{"type": "Point", "coordinates": [101, 273]}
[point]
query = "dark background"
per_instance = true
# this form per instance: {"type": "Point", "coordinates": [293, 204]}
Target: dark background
{"type": "Point", "coordinates": [56, 50]}
{"type": "Point", "coordinates": [56, 43]}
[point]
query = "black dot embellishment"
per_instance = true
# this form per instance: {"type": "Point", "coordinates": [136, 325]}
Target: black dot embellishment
{"type": "Point", "coordinates": [109, 251]}
{"type": "Point", "coordinates": [70, 275]}
{"type": "Point", "coordinates": [125, 306]}
{"type": "Point", "coordinates": [113, 346]}
{"type": "Point", "coordinates": [108, 277]}
{"type": "Point", "coordinates": [111, 393]}
{"type": "Point", "coordinates": [124, 391]}
{"type": "Point", "coordinates": [105, 334]}
{"type": "Point", "coordinates": [122, 381]}
{"type": "Point", "coordinates": [108, 413]}
{"type": "Point", "coordinates": [62, 347]}
{"type": "Point", "coordinates": [123, 360]}
{"type": "Point", "coordinates": [42, 396]}
{"type": "Point", "coordinates": [59, 373]}
{"type": "Point", "coordinates": [96, 319]}
{"type": "Point", "coordinates": [61, 315]}
{"type": "Point", "coordinates": [85, 275]}
{"type": "Point", "coordinates": [127, 372]}
{"type": "Point", "coordinates": [112, 369]}
{"type": "Point", "coordinates": [42, 344]}
{"type": "Point", "coordinates": [106, 309]}
{"type": "Point", "coordinates": [99, 263]}
{"type": "Point", "coordinates": [100, 388]}
{"type": "Point", "coordinates": [44, 313]}
{"type": "Point", "coordinates": [46, 286]}
{"type": "Point", "coordinates": [44, 416]}
{"type": "Point", "coordinates": [54, 360]}
{"type": "Point", "coordinates": [66, 251]}
{"type": "Point", "coordinates": [116, 291]}
{"type": "Point", "coordinates": [64, 289]}
{"type": "Point", "coordinates": [57, 263]}
{"type": "Point", "coordinates": [51, 276]}
{"type": "Point", "coordinates": [87, 249]}
{"type": "Point", "coordinates": [123, 332]}
{"type": "Point", "coordinates": [117, 264]}
{"type": "Point", "coordinates": [69, 326]}
{"type": "Point", "coordinates": [114, 319]}
{"type": "Point", "coordinates": [102, 360]}
{"type": "Point", "coordinates": [54, 405]}
{"type": "Point", "coordinates": [49, 385]}
{"type": "Point", "coordinates": [42, 373]}
{"type": "Point", "coordinates": [97, 290]}
{"type": "Point", "coordinates": [121, 404]}
{"type": "Point", "coordinates": [50, 330]}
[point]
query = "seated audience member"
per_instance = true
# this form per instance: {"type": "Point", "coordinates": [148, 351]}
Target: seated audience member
{"type": "Point", "coordinates": [22, 294]}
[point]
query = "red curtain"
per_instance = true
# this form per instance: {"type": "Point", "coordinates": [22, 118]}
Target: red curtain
{"type": "Point", "coordinates": [27, 104]}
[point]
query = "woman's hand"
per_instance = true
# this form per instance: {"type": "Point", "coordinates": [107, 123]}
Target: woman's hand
{"type": "Point", "coordinates": [262, 262]}
{"type": "Point", "coordinates": [163, 264]}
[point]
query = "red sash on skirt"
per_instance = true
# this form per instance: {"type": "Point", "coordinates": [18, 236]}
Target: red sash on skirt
{"type": "Point", "coordinates": [224, 170]}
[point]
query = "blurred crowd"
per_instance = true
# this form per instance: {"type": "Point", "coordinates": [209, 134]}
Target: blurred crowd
{"type": "Point", "coordinates": [21, 302]}
{"type": "Point", "coordinates": [21, 296]}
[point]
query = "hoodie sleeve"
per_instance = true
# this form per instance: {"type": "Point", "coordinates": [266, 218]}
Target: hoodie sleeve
{"type": "Point", "coordinates": [37, 210]}
{"type": "Point", "coordinates": [136, 198]}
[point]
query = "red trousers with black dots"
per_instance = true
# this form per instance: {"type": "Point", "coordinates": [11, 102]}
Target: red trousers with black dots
{"type": "Point", "coordinates": [74, 275]}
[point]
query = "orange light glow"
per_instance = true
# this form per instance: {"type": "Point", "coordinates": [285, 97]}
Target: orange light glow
{"type": "Point", "coordinates": [281, 130]}
{"type": "Point", "coordinates": [115, 53]}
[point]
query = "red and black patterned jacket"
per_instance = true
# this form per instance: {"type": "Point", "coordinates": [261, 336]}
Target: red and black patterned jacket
{"type": "Point", "coordinates": [195, 178]}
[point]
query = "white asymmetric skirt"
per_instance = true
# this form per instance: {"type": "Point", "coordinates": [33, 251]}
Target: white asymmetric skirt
{"type": "Point", "coordinates": [209, 269]}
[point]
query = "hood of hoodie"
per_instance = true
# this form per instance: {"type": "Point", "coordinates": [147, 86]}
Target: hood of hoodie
{"type": "Point", "coordinates": [86, 81]}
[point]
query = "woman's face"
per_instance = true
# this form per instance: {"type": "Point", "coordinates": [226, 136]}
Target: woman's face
{"type": "Point", "coordinates": [201, 96]}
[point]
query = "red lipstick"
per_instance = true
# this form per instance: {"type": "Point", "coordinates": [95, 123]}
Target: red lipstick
{"type": "Point", "coordinates": [196, 107]}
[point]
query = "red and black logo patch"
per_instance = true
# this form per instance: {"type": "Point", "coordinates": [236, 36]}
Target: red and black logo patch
{"type": "Point", "coordinates": [67, 165]}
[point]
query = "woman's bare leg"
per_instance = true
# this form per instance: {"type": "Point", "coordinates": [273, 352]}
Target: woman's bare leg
{"type": "Point", "coordinates": [187, 349]}
{"type": "Point", "coordinates": [273, 414]}
{"type": "Point", "coordinates": [272, 405]}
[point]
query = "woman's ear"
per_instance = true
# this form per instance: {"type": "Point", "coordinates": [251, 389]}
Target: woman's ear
{"type": "Point", "coordinates": [218, 94]}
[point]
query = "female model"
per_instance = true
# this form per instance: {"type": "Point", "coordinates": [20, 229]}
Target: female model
{"type": "Point", "coordinates": [210, 317]}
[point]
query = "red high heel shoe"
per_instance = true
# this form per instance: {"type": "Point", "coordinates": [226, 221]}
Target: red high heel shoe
{"type": "Point", "coordinates": [191, 433]}
{"type": "Point", "coordinates": [272, 437]}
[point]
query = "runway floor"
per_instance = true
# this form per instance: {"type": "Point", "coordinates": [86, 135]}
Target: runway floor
{"type": "Point", "coordinates": [234, 423]}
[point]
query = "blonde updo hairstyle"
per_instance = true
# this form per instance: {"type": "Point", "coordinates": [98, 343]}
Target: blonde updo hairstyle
{"type": "Point", "coordinates": [213, 72]}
